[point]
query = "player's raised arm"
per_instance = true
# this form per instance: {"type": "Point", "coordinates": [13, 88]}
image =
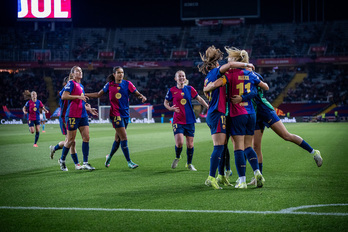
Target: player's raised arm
{"type": "Point", "coordinates": [95, 94]}
{"type": "Point", "coordinates": [216, 84]}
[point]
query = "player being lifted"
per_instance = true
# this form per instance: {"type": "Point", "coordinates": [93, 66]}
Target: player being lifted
{"type": "Point", "coordinates": [119, 93]}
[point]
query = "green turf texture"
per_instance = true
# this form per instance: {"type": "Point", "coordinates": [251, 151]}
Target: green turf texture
{"type": "Point", "coordinates": [29, 178]}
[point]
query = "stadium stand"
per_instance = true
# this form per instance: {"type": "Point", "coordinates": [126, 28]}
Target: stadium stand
{"type": "Point", "coordinates": [323, 83]}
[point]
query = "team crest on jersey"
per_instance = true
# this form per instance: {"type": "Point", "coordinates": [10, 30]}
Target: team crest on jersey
{"type": "Point", "coordinates": [118, 88]}
{"type": "Point", "coordinates": [183, 101]}
{"type": "Point", "coordinates": [118, 95]}
{"type": "Point", "coordinates": [35, 109]}
{"type": "Point", "coordinates": [72, 126]}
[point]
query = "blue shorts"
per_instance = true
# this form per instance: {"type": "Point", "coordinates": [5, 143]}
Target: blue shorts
{"type": "Point", "coordinates": [33, 122]}
{"type": "Point", "coordinates": [74, 123]}
{"type": "Point", "coordinates": [265, 118]}
{"type": "Point", "coordinates": [118, 122]}
{"type": "Point", "coordinates": [216, 122]}
{"type": "Point", "coordinates": [186, 129]}
{"type": "Point", "coordinates": [243, 124]}
{"type": "Point", "coordinates": [62, 125]}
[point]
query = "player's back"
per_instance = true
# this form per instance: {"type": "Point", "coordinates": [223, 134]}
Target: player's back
{"type": "Point", "coordinates": [240, 81]}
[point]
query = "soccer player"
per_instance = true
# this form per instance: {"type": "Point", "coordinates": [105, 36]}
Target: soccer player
{"type": "Point", "coordinates": [242, 115]}
{"type": "Point", "coordinates": [76, 117]}
{"type": "Point", "coordinates": [266, 116]}
{"type": "Point", "coordinates": [43, 120]}
{"type": "Point", "coordinates": [216, 119]}
{"type": "Point", "coordinates": [119, 93]}
{"type": "Point", "coordinates": [33, 107]}
{"type": "Point", "coordinates": [184, 118]}
{"type": "Point", "coordinates": [63, 107]}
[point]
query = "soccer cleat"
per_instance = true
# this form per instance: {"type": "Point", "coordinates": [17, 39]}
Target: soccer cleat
{"type": "Point", "coordinates": [228, 173]}
{"type": "Point", "coordinates": [87, 166]}
{"type": "Point", "coordinates": [132, 165]}
{"type": "Point", "coordinates": [238, 180]}
{"type": "Point", "coordinates": [241, 185]}
{"type": "Point", "coordinates": [52, 151]}
{"type": "Point", "coordinates": [252, 182]}
{"type": "Point", "coordinates": [317, 158]}
{"type": "Point", "coordinates": [107, 161]}
{"type": "Point", "coordinates": [62, 165]}
{"type": "Point", "coordinates": [259, 179]}
{"type": "Point", "coordinates": [78, 167]}
{"type": "Point", "coordinates": [43, 131]}
{"type": "Point", "coordinates": [190, 167]}
{"type": "Point", "coordinates": [35, 145]}
{"type": "Point", "coordinates": [211, 182]}
{"type": "Point", "coordinates": [223, 180]}
{"type": "Point", "coordinates": [175, 162]}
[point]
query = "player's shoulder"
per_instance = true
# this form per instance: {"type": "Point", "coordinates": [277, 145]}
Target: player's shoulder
{"type": "Point", "coordinates": [173, 88]}
{"type": "Point", "coordinates": [126, 81]}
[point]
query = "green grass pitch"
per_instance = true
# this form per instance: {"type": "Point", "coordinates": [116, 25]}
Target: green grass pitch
{"type": "Point", "coordinates": [35, 195]}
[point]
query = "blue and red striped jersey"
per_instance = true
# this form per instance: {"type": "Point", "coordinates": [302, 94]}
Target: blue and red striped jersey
{"type": "Point", "coordinates": [182, 98]}
{"type": "Point", "coordinates": [119, 97]}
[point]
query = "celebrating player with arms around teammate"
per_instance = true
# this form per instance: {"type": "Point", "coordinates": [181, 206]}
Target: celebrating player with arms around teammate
{"type": "Point", "coordinates": [243, 116]}
{"type": "Point", "coordinates": [119, 92]}
{"type": "Point", "coordinates": [216, 119]}
{"type": "Point", "coordinates": [33, 107]}
{"type": "Point", "coordinates": [184, 118]}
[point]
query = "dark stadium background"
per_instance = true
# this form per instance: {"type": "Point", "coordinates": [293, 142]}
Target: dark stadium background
{"type": "Point", "coordinates": [90, 13]}
{"type": "Point", "coordinates": [151, 14]}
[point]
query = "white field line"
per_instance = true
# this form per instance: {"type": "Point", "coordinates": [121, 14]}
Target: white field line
{"type": "Point", "coordinates": [283, 211]}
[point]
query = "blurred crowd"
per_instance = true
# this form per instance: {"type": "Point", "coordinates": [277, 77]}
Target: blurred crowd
{"type": "Point", "coordinates": [65, 43]}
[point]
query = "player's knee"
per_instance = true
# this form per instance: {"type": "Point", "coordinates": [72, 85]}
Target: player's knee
{"type": "Point", "coordinates": [287, 137]}
{"type": "Point", "coordinates": [189, 145]}
{"type": "Point", "coordinates": [257, 147]}
{"type": "Point", "coordinates": [85, 138]}
{"type": "Point", "coordinates": [180, 144]}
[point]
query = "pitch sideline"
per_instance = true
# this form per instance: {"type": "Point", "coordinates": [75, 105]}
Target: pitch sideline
{"type": "Point", "coordinates": [291, 210]}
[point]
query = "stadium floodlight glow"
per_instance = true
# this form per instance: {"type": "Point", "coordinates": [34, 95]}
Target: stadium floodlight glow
{"type": "Point", "coordinates": [44, 10]}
